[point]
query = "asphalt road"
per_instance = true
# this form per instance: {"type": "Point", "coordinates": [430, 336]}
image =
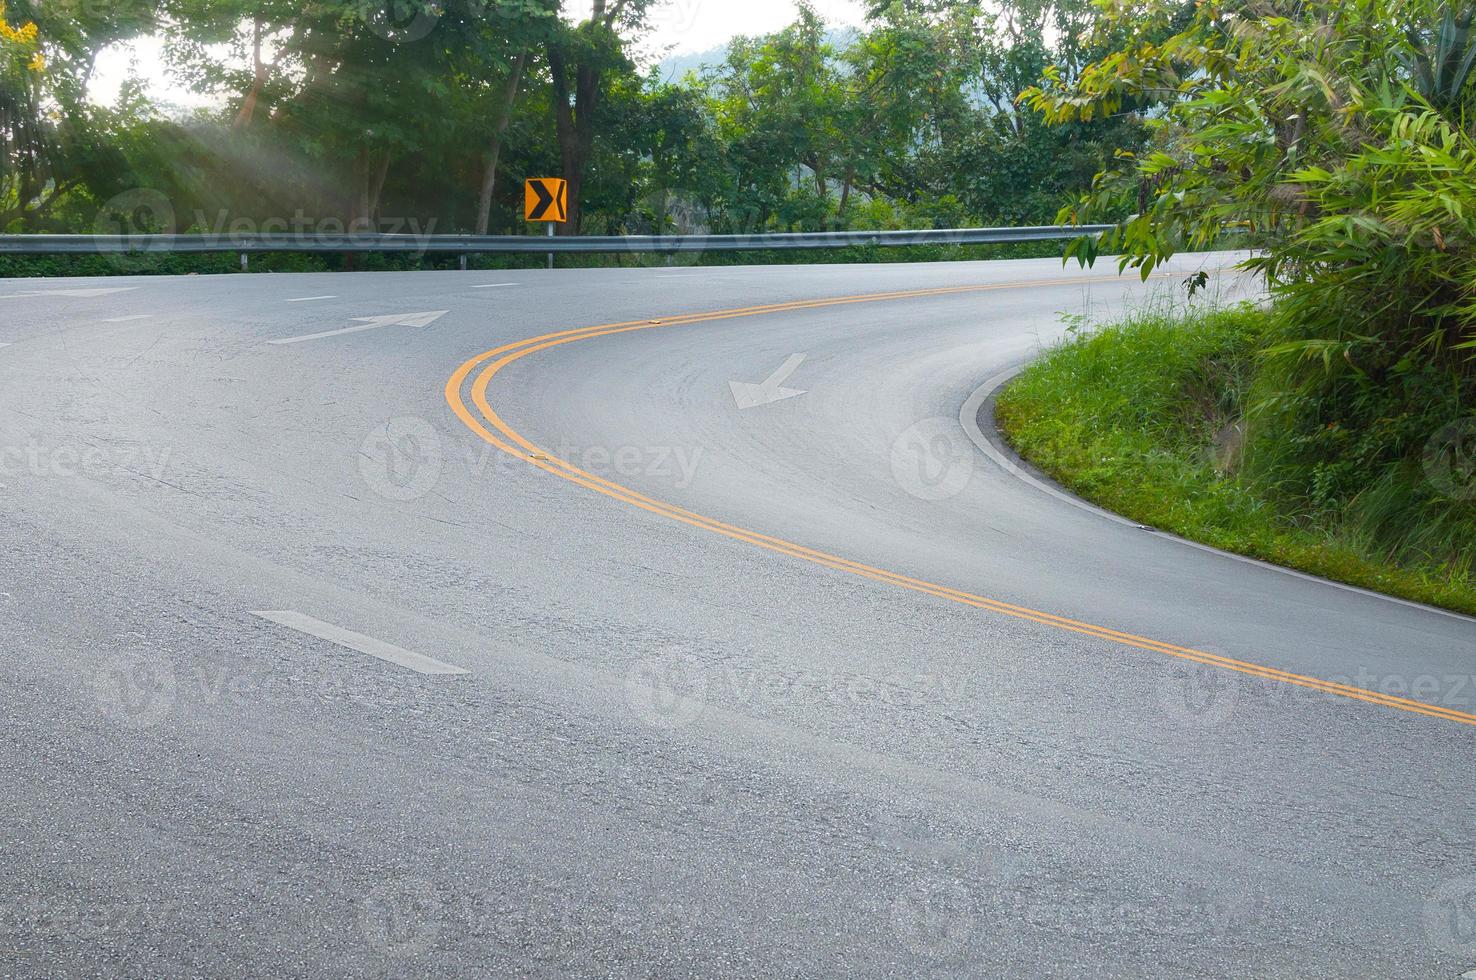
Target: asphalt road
{"type": "Point", "coordinates": [573, 666]}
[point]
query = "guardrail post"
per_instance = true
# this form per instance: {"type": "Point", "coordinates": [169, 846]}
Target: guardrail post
{"type": "Point", "coordinates": [245, 262]}
{"type": "Point", "coordinates": [463, 261]}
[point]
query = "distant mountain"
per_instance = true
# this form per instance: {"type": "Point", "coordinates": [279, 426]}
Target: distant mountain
{"type": "Point", "coordinates": [674, 66]}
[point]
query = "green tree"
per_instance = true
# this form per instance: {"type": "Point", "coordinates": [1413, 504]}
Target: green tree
{"type": "Point", "coordinates": [53, 140]}
{"type": "Point", "coordinates": [581, 58]}
{"type": "Point", "coordinates": [673, 133]}
{"type": "Point", "coordinates": [912, 75]}
{"type": "Point", "coordinates": [783, 110]}
{"type": "Point", "coordinates": [1336, 139]}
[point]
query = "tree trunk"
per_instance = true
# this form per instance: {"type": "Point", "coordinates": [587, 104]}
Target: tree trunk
{"type": "Point", "coordinates": [357, 203]}
{"type": "Point", "coordinates": [370, 171]}
{"type": "Point", "coordinates": [376, 192]}
{"type": "Point", "coordinates": [494, 153]}
{"type": "Point", "coordinates": [574, 120]}
{"type": "Point", "coordinates": [358, 207]}
{"type": "Point", "coordinates": [258, 81]}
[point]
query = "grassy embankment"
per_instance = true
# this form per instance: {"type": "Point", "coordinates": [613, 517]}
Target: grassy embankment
{"type": "Point", "coordinates": [1165, 419]}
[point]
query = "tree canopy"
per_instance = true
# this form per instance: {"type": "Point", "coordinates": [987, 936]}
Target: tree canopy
{"type": "Point", "coordinates": [366, 114]}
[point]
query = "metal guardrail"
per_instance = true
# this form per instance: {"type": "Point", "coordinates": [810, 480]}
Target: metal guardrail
{"type": "Point", "coordinates": [480, 244]}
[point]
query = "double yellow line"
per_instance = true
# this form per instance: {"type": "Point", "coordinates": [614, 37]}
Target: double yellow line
{"type": "Point", "coordinates": [488, 365]}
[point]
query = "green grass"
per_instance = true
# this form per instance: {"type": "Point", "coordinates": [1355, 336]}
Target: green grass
{"type": "Point", "coordinates": [1142, 418]}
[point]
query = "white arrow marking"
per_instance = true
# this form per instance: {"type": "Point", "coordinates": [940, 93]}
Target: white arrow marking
{"type": "Point", "coordinates": [372, 323]}
{"type": "Point", "coordinates": [749, 395]}
{"type": "Point", "coordinates": [73, 292]}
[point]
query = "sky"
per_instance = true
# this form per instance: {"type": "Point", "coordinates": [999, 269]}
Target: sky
{"type": "Point", "coordinates": [680, 26]}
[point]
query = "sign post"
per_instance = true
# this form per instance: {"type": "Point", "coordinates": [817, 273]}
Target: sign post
{"type": "Point", "coordinates": [546, 199]}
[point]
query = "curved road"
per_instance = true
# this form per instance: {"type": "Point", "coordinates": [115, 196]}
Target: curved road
{"type": "Point", "coordinates": [480, 628]}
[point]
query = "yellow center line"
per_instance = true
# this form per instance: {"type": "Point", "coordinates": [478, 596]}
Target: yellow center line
{"type": "Point", "coordinates": [510, 441]}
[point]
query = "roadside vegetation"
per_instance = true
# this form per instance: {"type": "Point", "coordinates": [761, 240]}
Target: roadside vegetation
{"type": "Point", "coordinates": [1340, 139]}
{"type": "Point", "coordinates": [1167, 419]}
{"type": "Point", "coordinates": [425, 116]}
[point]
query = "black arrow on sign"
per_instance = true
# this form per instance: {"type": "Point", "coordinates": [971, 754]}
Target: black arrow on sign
{"type": "Point", "coordinates": [545, 201]}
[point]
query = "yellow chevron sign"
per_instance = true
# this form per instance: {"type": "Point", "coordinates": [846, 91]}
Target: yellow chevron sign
{"type": "Point", "coordinates": [546, 199]}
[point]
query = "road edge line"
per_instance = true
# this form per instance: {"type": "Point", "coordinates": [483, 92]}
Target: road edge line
{"type": "Point", "coordinates": [993, 445]}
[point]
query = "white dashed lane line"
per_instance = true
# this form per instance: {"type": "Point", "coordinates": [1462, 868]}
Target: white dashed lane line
{"type": "Point", "coordinates": [129, 319]}
{"type": "Point", "coordinates": [310, 299]}
{"type": "Point", "coordinates": [497, 285]}
{"type": "Point", "coordinates": [360, 643]}
{"type": "Point", "coordinates": [74, 293]}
